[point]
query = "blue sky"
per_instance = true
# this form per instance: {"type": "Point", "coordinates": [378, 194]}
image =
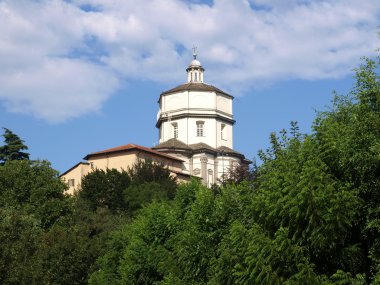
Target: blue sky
{"type": "Point", "coordinates": [81, 76]}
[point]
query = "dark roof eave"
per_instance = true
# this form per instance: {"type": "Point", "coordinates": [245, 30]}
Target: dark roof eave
{"type": "Point", "coordinates": [203, 87]}
{"type": "Point", "coordinates": [218, 152]}
{"type": "Point", "coordinates": [219, 117]}
{"type": "Point", "coordinates": [196, 148]}
{"type": "Point", "coordinates": [79, 163]}
{"type": "Point", "coordinates": [156, 153]}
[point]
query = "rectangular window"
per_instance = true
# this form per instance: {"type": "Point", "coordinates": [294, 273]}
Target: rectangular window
{"type": "Point", "coordinates": [71, 182]}
{"type": "Point", "coordinates": [200, 130]}
{"type": "Point", "coordinates": [175, 130]}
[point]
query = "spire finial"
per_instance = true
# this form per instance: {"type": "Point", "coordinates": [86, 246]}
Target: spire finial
{"type": "Point", "coordinates": [194, 52]}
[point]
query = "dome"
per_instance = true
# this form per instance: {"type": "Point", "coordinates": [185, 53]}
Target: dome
{"type": "Point", "coordinates": [195, 62]}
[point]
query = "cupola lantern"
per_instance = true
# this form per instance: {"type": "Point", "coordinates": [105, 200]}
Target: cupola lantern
{"type": "Point", "coordinates": [195, 69]}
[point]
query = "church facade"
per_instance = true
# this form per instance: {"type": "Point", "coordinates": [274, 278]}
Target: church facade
{"type": "Point", "coordinates": [195, 122]}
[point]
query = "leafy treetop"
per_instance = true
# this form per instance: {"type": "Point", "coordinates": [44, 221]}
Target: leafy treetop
{"type": "Point", "coordinates": [12, 150]}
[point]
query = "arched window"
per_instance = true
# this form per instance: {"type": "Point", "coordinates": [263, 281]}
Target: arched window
{"type": "Point", "coordinates": [210, 178]}
{"type": "Point", "coordinates": [223, 131]}
{"type": "Point", "coordinates": [200, 128]}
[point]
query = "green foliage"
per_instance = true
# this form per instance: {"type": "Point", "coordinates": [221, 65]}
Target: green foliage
{"type": "Point", "coordinates": [346, 278]}
{"type": "Point", "coordinates": [68, 251]}
{"type": "Point", "coordinates": [31, 201]}
{"type": "Point", "coordinates": [122, 193]}
{"type": "Point", "coordinates": [138, 195]}
{"type": "Point", "coordinates": [105, 189]}
{"type": "Point", "coordinates": [47, 237]}
{"type": "Point", "coordinates": [127, 191]}
{"type": "Point", "coordinates": [238, 174]}
{"type": "Point", "coordinates": [62, 257]}
{"type": "Point", "coordinates": [12, 150]}
{"type": "Point", "coordinates": [135, 254]}
{"type": "Point", "coordinates": [172, 242]}
{"type": "Point", "coordinates": [296, 192]}
{"type": "Point", "coordinates": [35, 187]}
{"type": "Point", "coordinates": [349, 139]}
{"type": "Point", "coordinates": [144, 171]}
{"type": "Point", "coordinates": [19, 238]}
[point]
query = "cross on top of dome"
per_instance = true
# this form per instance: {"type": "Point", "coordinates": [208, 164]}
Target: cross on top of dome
{"type": "Point", "coordinates": [194, 52]}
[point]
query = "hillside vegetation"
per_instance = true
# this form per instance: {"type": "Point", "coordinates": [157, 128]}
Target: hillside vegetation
{"type": "Point", "coordinates": [309, 214]}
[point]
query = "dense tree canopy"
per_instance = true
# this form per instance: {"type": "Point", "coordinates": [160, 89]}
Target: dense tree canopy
{"type": "Point", "coordinates": [127, 191]}
{"type": "Point", "coordinates": [105, 189]}
{"type": "Point", "coordinates": [48, 237]}
{"type": "Point", "coordinates": [34, 187]}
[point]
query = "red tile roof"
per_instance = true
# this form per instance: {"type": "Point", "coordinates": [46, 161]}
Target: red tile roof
{"type": "Point", "coordinates": [130, 147]}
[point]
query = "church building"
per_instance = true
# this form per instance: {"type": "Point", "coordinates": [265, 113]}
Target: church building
{"type": "Point", "coordinates": [195, 122]}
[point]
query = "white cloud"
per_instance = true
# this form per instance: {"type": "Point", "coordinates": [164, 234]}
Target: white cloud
{"type": "Point", "coordinates": [61, 59]}
{"type": "Point", "coordinates": [57, 90]}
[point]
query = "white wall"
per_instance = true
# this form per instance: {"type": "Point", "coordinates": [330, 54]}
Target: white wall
{"type": "Point", "coordinates": [202, 100]}
{"type": "Point", "coordinates": [196, 103]}
{"type": "Point", "coordinates": [224, 104]}
{"type": "Point", "coordinates": [227, 140]}
{"type": "Point", "coordinates": [216, 165]}
{"type": "Point", "coordinates": [174, 101]}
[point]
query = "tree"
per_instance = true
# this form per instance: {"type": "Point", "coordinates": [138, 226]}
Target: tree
{"type": "Point", "coordinates": [144, 171]}
{"type": "Point", "coordinates": [105, 189]}
{"type": "Point", "coordinates": [68, 251]}
{"type": "Point", "coordinates": [12, 150]}
{"type": "Point", "coordinates": [20, 236]}
{"type": "Point", "coordinates": [127, 190]}
{"type": "Point", "coordinates": [349, 138]}
{"type": "Point", "coordinates": [36, 188]}
{"type": "Point", "coordinates": [238, 174]}
{"type": "Point", "coordinates": [172, 242]}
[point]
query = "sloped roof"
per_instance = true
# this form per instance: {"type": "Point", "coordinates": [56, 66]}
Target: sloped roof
{"type": "Point", "coordinates": [172, 143]}
{"type": "Point", "coordinates": [223, 149]}
{"type": "Point", "coordinates": [76, 165]}
{"type": "Point", "coordinates": [130, 147]}
{"type": "Point", "coordinates": [195, 87]}
{"type": "Point", "coordinates": [177, 144]}
{"type": "Point", "coordinates": [227, 150]}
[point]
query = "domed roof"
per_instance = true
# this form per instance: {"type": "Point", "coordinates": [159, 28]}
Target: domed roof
{"type": "Point", "coordinates": [195, 62]}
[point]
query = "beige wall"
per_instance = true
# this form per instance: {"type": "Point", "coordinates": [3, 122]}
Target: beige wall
{"type": "Point", "coordinates": [76, 175]}
{"type": "Point", "coordinates": [119, 161]}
